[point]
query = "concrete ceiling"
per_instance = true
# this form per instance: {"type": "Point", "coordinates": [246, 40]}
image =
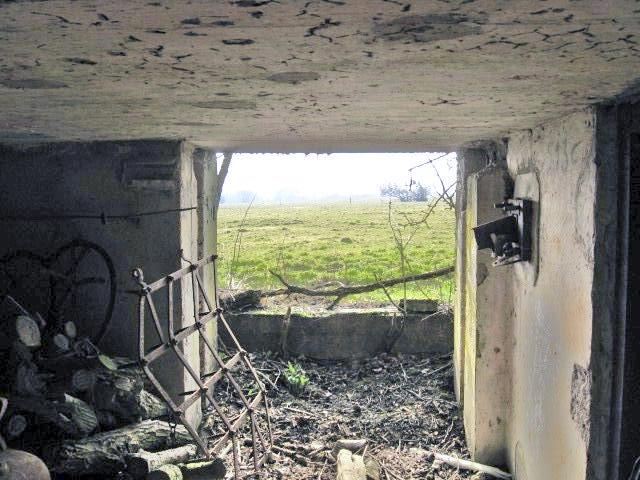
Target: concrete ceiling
{"type": "Point", "coordinates": [317, 75]}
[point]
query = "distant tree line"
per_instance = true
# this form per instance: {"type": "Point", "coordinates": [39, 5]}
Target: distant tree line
{"type": "Point", "coordinates": [416, 192]}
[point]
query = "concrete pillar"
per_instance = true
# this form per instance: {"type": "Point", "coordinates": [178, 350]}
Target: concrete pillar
{"type": "Point", "coordinates": [487, 303]}
{"type": "Point", "coordinates": [469, 161]}
{"type": "Point", "coordinates": [205, 168]}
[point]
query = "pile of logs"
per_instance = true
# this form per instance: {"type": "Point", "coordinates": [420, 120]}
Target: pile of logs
{"type": "Point", "coordinates": [83, 412]}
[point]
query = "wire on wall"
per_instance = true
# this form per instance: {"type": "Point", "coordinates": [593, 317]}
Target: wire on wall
{"type": "Point", "coordinates": [103, 217]}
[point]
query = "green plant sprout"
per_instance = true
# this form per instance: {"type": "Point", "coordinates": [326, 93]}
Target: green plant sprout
{"type": "Point", "coordinates": [296, 378]}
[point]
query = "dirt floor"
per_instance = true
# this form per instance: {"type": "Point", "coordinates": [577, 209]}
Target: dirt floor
{"type": "Point", "coordinates": [403, 405]}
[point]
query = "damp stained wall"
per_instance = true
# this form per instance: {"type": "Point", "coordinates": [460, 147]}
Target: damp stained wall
{"type": "Point", "coordinates": [542, 325]}
{"type": "Point", "coordinates": [114, 178]}
{"type": "Point", "coordinates": [551, 318]}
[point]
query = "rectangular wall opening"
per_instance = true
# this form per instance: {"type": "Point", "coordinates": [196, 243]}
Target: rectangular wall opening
{"type": "Point", "coordinates": [373, 365]}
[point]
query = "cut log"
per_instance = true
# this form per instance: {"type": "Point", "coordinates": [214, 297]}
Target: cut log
{"type": "Point", "coordinates": [70, 330]}
{"type": "Point", "coordinates": [83, 380]}
{"type": "Point", "coordinates": [46, 411]}
{"type": "Point", "coordinates": [123, 395]}
{"type": "Point", "coordinates": [17, 325]}
{"type": "Point", "coordinates": [350, 466]}
{"type": "Point", "coordinates": [58, 344]}
{"type": "Point", "coordinates": [28, 381]}
{"type": "Point", "coordinates": [207, 470]}
{"type": "Point", "coordinates": [15, 426]}
{"type": "Point", "coordinates": [82, 415]}
{"type": "Point", "coordinates": [151, 406]}
{"type": "Point", "coordinates": [166, 472]}
{"type": "Point", "coordinates": [71, 415]}
{"type": "Point", "coordinates": [140, 464]}
{"type": "Point", "coordinates": [22, 329]}
{"type": "Point", "coordinates": [469, 465]}
{"type": "Point", "coordinates": [27, 331]}
{"type": "Point", "coordinates": [103, 453]}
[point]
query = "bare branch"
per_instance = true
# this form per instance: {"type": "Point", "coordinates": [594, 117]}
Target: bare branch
{"type": "Point", "coordinates": [222, 174]}
{"type": "Point", "coordinates": [448, 198]}
{"type": "Point", "coordinates": [342, 292]}
{"type": "Point", "coordinates": [386, 292]}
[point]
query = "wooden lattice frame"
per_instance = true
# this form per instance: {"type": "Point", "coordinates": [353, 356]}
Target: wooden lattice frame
{"type": "Point", "coordinates": [253, 409]}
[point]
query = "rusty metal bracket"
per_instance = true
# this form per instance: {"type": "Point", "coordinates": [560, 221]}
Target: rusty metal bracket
{"type": "Point", "coordinates": [236, 411]}
{"type": "Point", "coordinates": [509, 237]}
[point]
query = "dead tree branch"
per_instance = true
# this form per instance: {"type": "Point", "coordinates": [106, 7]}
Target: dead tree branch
{"type": "Point", "coordinates": [222, 174]}
{"type": "Point", "coordinates": [342, 292]}
{"type": "Point", "coordinates": [386, 292]}
{"type": "Point", "coordinates": [445, 195]}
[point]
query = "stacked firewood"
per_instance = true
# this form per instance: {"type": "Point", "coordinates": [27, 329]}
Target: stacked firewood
{"type": "Point", "coordinates": [82, 411]}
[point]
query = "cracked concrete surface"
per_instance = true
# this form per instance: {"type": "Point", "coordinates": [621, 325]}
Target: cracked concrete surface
{"type": "Point", "coordinates": [320, 75]}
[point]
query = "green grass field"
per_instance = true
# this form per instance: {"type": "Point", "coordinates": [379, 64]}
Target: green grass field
{"type": "Point", "coordinates": [354, 244]}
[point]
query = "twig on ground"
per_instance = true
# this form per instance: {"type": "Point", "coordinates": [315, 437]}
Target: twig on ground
{"type": "Point", "coordinates": [443, 367]}
{"type": "Point", "coordinates": [266, 377]}
{"type": "Point", "coordinates": [322, 471]}
{"type": "Point", "coordinates": [304, 412]}
{"type": "Point", "coordinates": [388, 470]}
{"type": "Point", "coordinates": [469, 465]}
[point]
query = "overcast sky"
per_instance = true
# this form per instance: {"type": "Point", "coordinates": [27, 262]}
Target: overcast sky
{"type": "Point", "coordinates": [317, 176]}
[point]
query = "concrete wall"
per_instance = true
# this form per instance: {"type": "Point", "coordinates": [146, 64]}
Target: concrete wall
{"type": "Point", "coordinates": [550, 319]}
{"type": "Point", "coordinates": [342, 336]}
{"type": "Point", "coordinates": [114, 178]}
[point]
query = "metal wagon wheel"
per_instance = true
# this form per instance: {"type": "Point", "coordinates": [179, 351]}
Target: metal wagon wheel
{"type": "Point", "coordinates": [82, 287]}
